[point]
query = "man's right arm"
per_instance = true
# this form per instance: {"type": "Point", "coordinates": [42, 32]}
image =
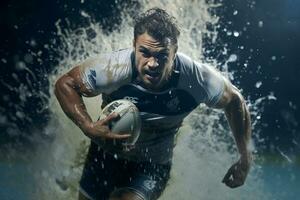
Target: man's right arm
{"type": "Point", "coordinates": [69, 90]}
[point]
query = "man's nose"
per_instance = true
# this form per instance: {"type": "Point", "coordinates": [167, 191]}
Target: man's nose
{"type": "Point", "coordinates": [153, 62]}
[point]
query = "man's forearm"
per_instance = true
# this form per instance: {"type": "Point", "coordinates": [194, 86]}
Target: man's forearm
{"type": "Point", "coordinates": [72, 102]}
{"type": "Point", "coordinates": [238, 117]}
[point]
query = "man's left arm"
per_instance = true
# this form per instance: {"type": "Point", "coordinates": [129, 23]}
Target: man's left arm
{"type": "Point", "coordinates": [238, 117]}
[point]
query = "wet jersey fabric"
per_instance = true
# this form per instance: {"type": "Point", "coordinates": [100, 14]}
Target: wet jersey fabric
{"type": "Point", "coordinates": [191, 83]}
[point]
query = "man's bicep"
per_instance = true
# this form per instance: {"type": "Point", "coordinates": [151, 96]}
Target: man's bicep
{"type": "Point", "coordinates": [229, 94]}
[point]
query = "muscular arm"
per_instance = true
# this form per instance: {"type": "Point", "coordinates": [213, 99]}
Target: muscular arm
{"type": "Point", "coordinates": [238, 118]}
{"type": "Point", "coordinates": [69, 90]}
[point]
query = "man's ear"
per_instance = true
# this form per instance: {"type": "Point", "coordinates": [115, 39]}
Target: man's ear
{"type": "Point", "coordinates": [176, 48]}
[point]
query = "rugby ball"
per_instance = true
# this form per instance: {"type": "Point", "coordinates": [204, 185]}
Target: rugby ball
{"type": "Point", "coordinates": [129, 120]}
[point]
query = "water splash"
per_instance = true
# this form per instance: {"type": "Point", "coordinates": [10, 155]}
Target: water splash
{"type": "Point", "coordinates": [205, 148]}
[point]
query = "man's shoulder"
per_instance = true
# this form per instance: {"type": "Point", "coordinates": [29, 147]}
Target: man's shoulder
{"type": "Point", "coordinates": [122, 53]}
{"type": "Point", "coordinates": [183, 59]}
{"type": "Point", "coordinates": [107, 58]}
{"type": "Point", "coordinates": [200, 79]}
{"type": "Point", "coordinates": [185, 63]}
{"type": "Point", "coordinates": [189, 66]}
{"type": "Point", "coordinates": [108, 71]}
{"type": "Point", "coordinates": [118, 56]}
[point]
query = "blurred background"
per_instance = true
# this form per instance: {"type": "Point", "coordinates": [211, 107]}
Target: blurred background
{"type": "Point", "coordinates": [258, 42]}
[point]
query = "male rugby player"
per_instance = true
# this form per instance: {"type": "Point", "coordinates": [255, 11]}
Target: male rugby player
{"type": "Point", "coordinates": [166, 86]}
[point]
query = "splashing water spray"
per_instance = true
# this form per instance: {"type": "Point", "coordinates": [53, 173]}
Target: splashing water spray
{"type": "Point", "coordinates": [205, 148]}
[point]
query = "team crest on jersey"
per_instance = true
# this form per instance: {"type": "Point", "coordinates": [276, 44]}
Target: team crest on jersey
{"type": "Point", "coordinates": [134, 100]}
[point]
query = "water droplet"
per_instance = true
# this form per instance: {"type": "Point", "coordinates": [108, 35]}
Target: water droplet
{"type": "Point", "coordinates": [15, 76]}
{"type": "Point", "coordinates": [20, 65]}
{"type": "Point", "coordinates": [260, 24]}
{"type": "Point", "coordinates": [20, 115]}
{"type": "Point", "coordinates": [236, 34]}
{"type": "Point", "coordinates": [271, 96]}
{"type": "Point", "coordinates": [4, 60]}
{"type": "Point", "coordinates": [32, 43]}
{"type": "Point", "coordinates": [284, 155]}
{"type": "Point", "coordinates": [273, 58]}
{"type": "Point", "coordinates": [258, 84]}
{"type": "Point", "coordinates": [229, 33]}
{"type": "Point", "coordinates": [235, 12]}
{"type": "Point", "coordinates": [84, 14]}
{"type": "Point", "coordinates": [232, 58]}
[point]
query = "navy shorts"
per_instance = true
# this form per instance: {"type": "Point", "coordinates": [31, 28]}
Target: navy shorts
{"type": "Point", "coordinates": [104, 173]}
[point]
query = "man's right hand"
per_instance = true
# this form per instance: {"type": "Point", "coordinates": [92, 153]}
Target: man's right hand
{"type": "Point", "coordinates": [69, 90]}
{"type": "Point", "coordinates": [100, 129]}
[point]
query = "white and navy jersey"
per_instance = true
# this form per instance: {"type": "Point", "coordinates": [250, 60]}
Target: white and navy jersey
{"type": "Point", "coordinates": [114, 75]}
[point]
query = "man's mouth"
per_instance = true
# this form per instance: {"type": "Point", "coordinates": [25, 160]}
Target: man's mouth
{"type": "Point", "coordinates": [153, 74]}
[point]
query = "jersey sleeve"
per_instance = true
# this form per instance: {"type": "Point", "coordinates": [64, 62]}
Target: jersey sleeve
{"type": "Point", "coordinates": [212, 82]}
{"type": "Point", "coordinates": [106, 72]}
{"type": "Point", "coordinates": [202, 81]}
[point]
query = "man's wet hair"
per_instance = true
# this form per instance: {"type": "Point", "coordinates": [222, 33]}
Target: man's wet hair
{"type": "Point", "coordinates": [158, 24]}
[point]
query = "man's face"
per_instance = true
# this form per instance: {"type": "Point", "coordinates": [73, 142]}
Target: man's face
{"type": "Point", "coordinates": [154, 60]}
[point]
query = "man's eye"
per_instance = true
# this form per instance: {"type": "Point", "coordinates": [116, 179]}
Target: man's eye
{"type": "Point", "coordinates": [145, 54]}
{"type": "Point", "coordinates": [163, 57]}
